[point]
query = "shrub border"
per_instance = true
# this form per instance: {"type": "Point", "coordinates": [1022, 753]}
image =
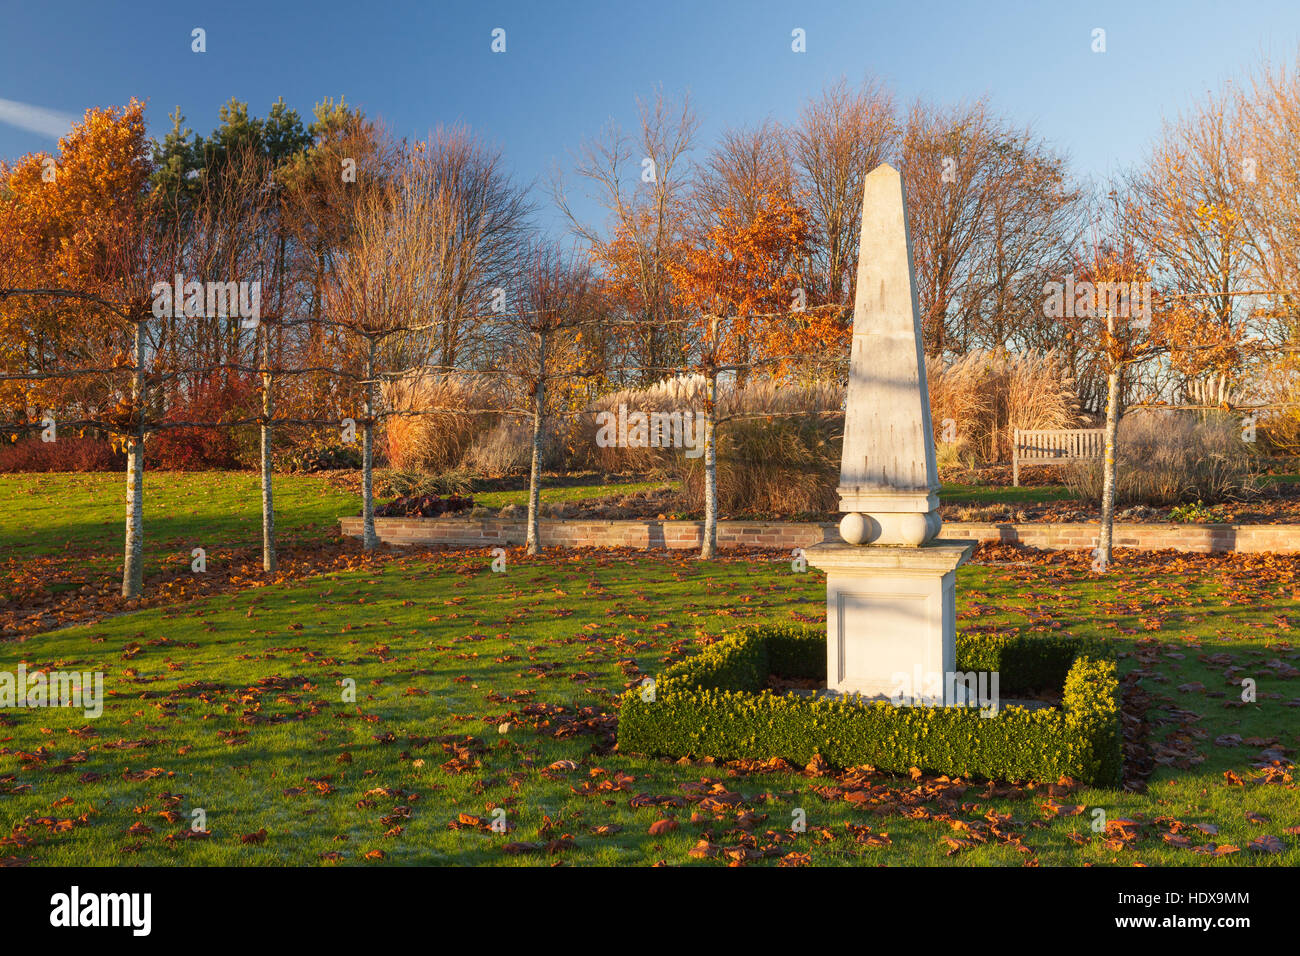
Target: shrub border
{"type": "Point", "coordinates": [715, 704]}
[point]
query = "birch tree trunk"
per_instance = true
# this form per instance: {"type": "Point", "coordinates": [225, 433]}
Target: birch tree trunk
{"type": "Point", "coordinates": [534, 542]}
{"type": "Point", "coordinates": [1106, 535]}
{"type": "Point", "coordinates": [709, 546]}
{"type": "Point", "coordinates": [368, 539]}
{"type": "Point", "coordinates": [133, 550]}
{"type": "Point", "coordinates": [268, 501]}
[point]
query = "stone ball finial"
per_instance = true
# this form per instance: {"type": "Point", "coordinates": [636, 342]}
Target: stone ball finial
{"type": "Point", "coordinates": [913, 529]}
{"type": "Point", "coordinates": [855, 528]}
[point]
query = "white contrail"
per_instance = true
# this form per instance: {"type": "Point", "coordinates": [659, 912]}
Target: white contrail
{"type": "Point", "coordinates": [35, 119]}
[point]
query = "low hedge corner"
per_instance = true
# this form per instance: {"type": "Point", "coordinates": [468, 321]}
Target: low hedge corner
{"type": "Point", "coordinates": [716, 704]}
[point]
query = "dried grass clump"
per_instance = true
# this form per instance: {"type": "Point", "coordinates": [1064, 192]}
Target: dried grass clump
{"type": "Point", "coordinates": [778, 450]}
{"type": "Point", "coordinates": [679, 394]}
{"type": "Point", "coordinates": [988, 393]}
{"type": "Point", "coordinates": [452, 407]}
{"type": "Point", "coordinates": [778, 445]}
{"type": "Point", "coordinates": [507, 448]}
{"type": "Point", "coordinates": [1167, 458]}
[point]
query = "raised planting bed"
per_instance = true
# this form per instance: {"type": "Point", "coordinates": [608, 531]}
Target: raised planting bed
{"type": "Point", "coordinates": [455, 531]}
{"type": "Point", "coordinates": [424, 506]}
{"type": "Point", "coordinates": [719, 704]}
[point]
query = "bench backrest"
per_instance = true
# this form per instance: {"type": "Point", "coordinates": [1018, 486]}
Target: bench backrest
{"type": "Point", "coordinates": [1058, 444]}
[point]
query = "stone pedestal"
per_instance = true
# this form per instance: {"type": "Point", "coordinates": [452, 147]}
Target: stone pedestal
{"type": "Point", "coordinates": [891, 619]}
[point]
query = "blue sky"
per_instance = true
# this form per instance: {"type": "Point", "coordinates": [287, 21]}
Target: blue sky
{"type": "Point", "coordinates": [571, 66]}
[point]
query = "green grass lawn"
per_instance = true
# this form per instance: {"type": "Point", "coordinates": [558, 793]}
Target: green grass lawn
{"type": "Point", "coordinates": [43, 515]}
{"type": "Point", "coordinates": [82, 515]}
{"type": "Point", "coordinates": [499, 499]}
{"type": "Point", "coordinates": [955, 493]}
{"type": "Point", "coordinates": [234, 706]}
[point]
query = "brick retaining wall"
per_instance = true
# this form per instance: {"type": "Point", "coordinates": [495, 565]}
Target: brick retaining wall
{"type": "Point", "coordinates": [582, 533]}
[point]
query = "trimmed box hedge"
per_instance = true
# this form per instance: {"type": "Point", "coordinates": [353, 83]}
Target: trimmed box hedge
{"type": "Point", "coordinates": [716, 704]}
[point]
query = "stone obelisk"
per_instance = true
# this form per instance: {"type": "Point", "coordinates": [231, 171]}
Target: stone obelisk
{"type": "Point", "coordinates": [890, 600]}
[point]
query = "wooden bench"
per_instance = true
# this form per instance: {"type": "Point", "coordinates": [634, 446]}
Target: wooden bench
{"type": "Point", "coordinates": [1051, 446]}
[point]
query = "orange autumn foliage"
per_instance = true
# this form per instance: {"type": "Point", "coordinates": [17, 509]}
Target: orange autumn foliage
{"type": "Point", "coordinates": [743, 281]}
{"type": "Point", "coordinates": [63, 221]}
{"type": "Point", "coordinates": [68, 221]}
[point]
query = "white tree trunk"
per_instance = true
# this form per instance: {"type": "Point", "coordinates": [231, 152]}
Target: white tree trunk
{"type": "Point", "coordinates": [1106, 535]}
{"type": "Point", "coordinates": [534, 541]}
{"type": "Point", "coordinates": [369, 541]}
{"type": "Point", "coordinates": [133, 550]}
{"type": "Point", "coordinates": [709, 546]}
{"type": "Point", "coordinates": [268, 500]}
